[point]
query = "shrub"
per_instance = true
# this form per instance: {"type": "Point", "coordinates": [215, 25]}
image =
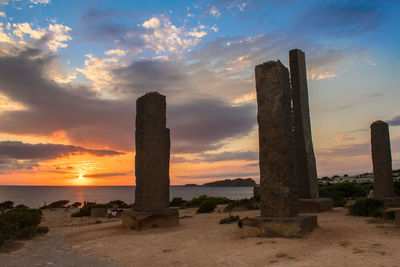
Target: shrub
{"type": "Point", "coordinates": [338, 192]}
{"type": "Point", "coordinates": [207, 206]}
{"type": "Point", "coordinates": [371, 207]}
{"type": "Point", "coordinates": [177, 202]}
{"type": "Point", "coordinates": [396, 185]}
{"type": "Point", "coordinates": [6, 205]}
{"type": "Point", "coordinates": [196, 201]}
{"type": "Point", "coordinates": [229, 219]}
{"type": "Point", "coordinates": [240, 222]}
{"type": "Point", "coordinates": [43, 229]}
{"type": "Point", "coordinates": [242, 204]}
{"type": "Point", "coordinates": [389, 215]}
{"type": "Point", "coordinates": [19, 223]}
{"type": "Point", "coordinates": [121, 204]}
{"type": "Point", "coordinates": [76, 204]}
{"type": "Point", "coordinates": [56, 205]}
{"type": "Point", "coordinates": [87, 207]}
{"type": "Point", "coordinates": [21, 206]}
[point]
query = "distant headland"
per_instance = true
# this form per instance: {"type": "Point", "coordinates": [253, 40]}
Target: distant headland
{"type": "Point", "coordinates": [238, 182]}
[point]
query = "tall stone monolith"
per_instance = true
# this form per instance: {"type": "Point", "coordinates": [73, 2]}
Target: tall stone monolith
{"type": "Point", "coordinates": [381, 160]}
{"type": "Point", "coordinates": [306, 170]}
{"type": "Point", "coordinates": [305, 167]}
{"type": "Point", "coordinates": [152, 145]}
{"type": "Point", "coordinates": [278, 196]}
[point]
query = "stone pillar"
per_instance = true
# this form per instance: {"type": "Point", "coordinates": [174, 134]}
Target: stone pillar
{"type": "Point", "coordinates": [305, 167]}
{"type": "Point", "coordinates": [276, 154]}
{"type": "Point", "coordinates": [306, 170]}
{"type": "Point", "coordinates": [278, 196]}
{"type": "Point", "coordinates": [152, 154]}
{"type": "Point", "coordinates": [152, 145]}
{"type": "Point", "coordinates": [381, 160]}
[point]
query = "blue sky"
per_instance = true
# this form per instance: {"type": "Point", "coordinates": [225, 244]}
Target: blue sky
{"type": "Point", "coordinates": [201, 55]}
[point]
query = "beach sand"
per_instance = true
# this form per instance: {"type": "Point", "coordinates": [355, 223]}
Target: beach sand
{"type": "Point", "coordinates": [340, 240]}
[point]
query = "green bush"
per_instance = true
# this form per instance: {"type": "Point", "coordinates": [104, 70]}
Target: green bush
{"type": "Point", "coordinates": [207, 206]}
{"type": "Point", "coordinates": [396, 185]}
{"type": "Point", "coordinates": [87, 207]}
{"type": "Point", "coordinates": [56, 205]}
{"type": "Point", "coordinates": [42, 229]}
{"type": "Point", "coordinates": [121, 204]}
{"type": "Point", "coordinates": [339, 192]}
{"type": "Point", "coordinates": [21, 206]}
{"type": "Point", "coordinates": [370, 207]}
{"type": "Point", "coordinates": [76, 204]}
{"type": "Point", "coordinates": [389, 215]}
{"type": "Point", "coordinates": [242, 204]}
{"type": "Point", "coordinates": [19, 224]}
{"type": "Point", "coordinates": [6, 205]}
{"type": "Point", "coordinates": [229, 219]}
{"type": "Point", "coordinates": [177, 202]}
{"type": "Point", "coordinates": [196, 201]}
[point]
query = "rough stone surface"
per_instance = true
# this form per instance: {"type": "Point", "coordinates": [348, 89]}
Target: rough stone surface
{"type": "Point", "coordinates": [381, 160]}
{"type": "Point", "coordinates": [392, 202]}
{"type": "Point", "coordinates": [314, 205]}
{"type": "Point", "coordinates": [152, 142]}
{"type": "Point", "coordinates": [397, 218]}
{"type": "Point", "coordinates": [278, 227]}
{"type": "Point", "coordinates": [276, 153]}
{"type": "Point", "coordinates": [143, 220]}
{"type": "Point", "coordinates": [98, 212]}
{"type": "Point", "coordinates": [305, 168]}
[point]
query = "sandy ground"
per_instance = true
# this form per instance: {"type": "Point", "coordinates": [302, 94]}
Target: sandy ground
{"type": "Point", "coordinates": [62, 218]}
{"type": "Point", "coordinates": [340, 240]}
{"type": "Point", "coordinates": [200, 240]}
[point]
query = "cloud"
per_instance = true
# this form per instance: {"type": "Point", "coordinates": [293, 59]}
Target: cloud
{"type": "Point", "coordinates": [343, 138]}
{"type": "Point", "coordinates": [105, 175]}
{"type": "Point", "coordinates": [222, 175]}
{"type": "Point", "coordinates": [24, 151]}
{"type": "Point", "coordinates": [215, 12]}
{"type": "Point", "coordinates": [223, 156]}
{"type": "Point", "coordinates": [162, 36]}
{"type": "Point", "coordinates": [43, 2]}
{"type": "Point", "coordinates": [200, 125]}
{"type": "Point", "coordinates": [394, 121]}
{"type": "Point", "coordinates": [89, 120]}
{"type": "Point", "coordinates": [50, 107]}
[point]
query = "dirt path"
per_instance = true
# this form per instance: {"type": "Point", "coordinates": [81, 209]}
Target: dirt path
{"type": "Point", "coordinates": [50, 250]}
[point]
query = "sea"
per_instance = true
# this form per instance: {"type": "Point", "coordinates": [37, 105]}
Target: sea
{"type": "Point", "coordinates": [37, 196]}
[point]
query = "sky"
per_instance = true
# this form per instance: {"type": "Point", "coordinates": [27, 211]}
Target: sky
{"type": "Point", "coordinates": [71, 71]}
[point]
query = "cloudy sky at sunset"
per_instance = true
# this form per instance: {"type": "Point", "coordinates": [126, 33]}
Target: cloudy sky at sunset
{"type": "Point", "coordinates": [71, 71]}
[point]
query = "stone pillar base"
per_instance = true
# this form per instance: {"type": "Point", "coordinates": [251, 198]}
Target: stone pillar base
{"type": "Point", "coordinates": [138, 220]}
{"type": "Point", "coordinates": [397, 218]}
{"type": "Point", "coordinates": [392, 202]}
{"type": "Point", "coordinates": [278, 227]}
{"type": "Point", "coordinates": [313, 205]}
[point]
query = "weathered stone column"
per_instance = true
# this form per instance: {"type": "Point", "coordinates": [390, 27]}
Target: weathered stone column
{"type": "Point", "coordinates": [152, 145]}
{"type": "Point", "coordinates": [152, 154]}
{"type": "Point", "coordinates": [305, 169]}
{"type": "Point", "coordinates": [278, 196]}
{"type": "Point", "coordinates": [276, 154]}
{"type": "Point", "coordinates": [381, 160]}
